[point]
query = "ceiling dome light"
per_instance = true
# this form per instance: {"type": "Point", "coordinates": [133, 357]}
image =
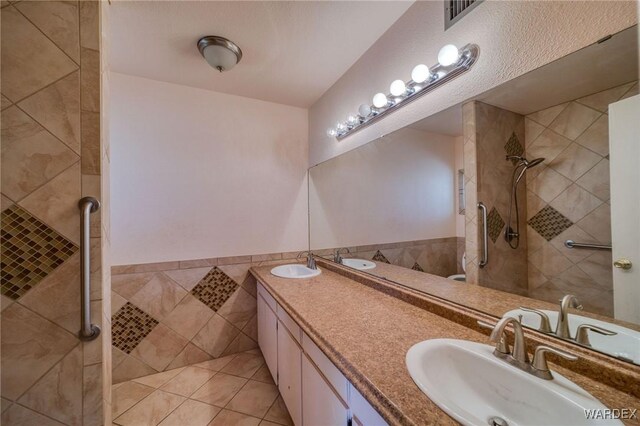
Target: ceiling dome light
{"type": "Point", "coordinates": [420, 73]}
{"type": "Point", "coordinates": [398, 88]}
{"type": "Point", "coordinates": [380, 100]}
{"type": "Point", "coordinates": [220, 53]}
{"type": "Point", "coordinates": [364, 110]}
{"type": "Point", "coordinates": [448, 55]}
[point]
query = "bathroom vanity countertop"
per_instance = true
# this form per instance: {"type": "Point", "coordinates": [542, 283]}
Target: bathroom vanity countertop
{"type": "Point", "coordinates": [483, 299]}
{"type": "Point", "coordinates": [367, 333]}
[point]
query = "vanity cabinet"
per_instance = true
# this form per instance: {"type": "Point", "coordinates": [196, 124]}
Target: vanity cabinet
{"type": "Point", "coordinates": [315, 392]}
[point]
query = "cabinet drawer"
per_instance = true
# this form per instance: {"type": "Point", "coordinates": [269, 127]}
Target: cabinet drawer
{"type": "Point", "coordinates": [288, 322]}
{"type": "Point", "coordinates": [363, 412]}
{"type": "Point", "coordinates": [267, 297]}
{"type": "Point", "coordinates": [326, 367]}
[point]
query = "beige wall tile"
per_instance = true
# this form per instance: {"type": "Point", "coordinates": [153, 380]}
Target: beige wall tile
{"type": "Point", "coordinates": [596, 137]}
{"type": "Point", "coordinates": [92, 405]}
{"type": "Point", "coordinates": [127, 285]}
{"type": "Point", "coordinates": [215, 336]}
{"type": "Point", "coordinates": [30, 61]}
{"type": "Point", "coordinates": [546, 116]}
{"type": "Point", "coordinates": [574, 120]}
{"type": "Point", "coordinates": [575, 203]}
{"type": "Point", "coordinates": [90, 80]}
{"type": "Point", "coordinates": [4, 102]}
{"type": "Point", "coordinates": [151, 410]}
{"type": "Point", "coordinates": [56, 203]}
{"type": "Point", "coordinates": [231, 260]}
{"type": "Point", "coordinates": [190, 355]}
{"type": "Point", "coordinates": [548, 145]}
{"type": "Point", "coordinates": [188, 278]}
{"type": "Point", "coordinates": [531, 131]}
{"type": "Point", "coordinates": [598, 267]}
{"type": "Point", "coordinates": [191, 413]}
{"type": "Point", "coordinates": [549, 184]}
{"type": "Point", "coordinates": [127, 395]}
{"type": "Point", "coordinates": [31, 345]}
{"type": "Point", "coordinates": [146, 267]}
{"type": "Point", "coordinates": [635, 89]}
{"type": "Point", "coordinates": [574, 233]}
{"type": "Point", "coordinates": [574, 161]}
{"type": "Point", "coordinates": [596, 180]}
{"type": "Point", "coordinates": [549, 261]}
{"type": "Point", "coordinates": [198, 263]}
{"type": "Point", "coordinates": [90, 130]}
{"type": "Point", "coordinates": [159, 296]}
{"type": "Point", "coordinates": [239, 308]}
{"type": "Point", "coordinates": [30, 155]}
{"type": "Point", "coordinates": [130, 368]}
{"type": "Point", "coordinates": [59, 392]}
{"type": "Point", "coordinates": [58, 20]}
{"type": "Point", "coordinates": [17, 415]}
{"type": "Point", "coordinates": [598, 223]}
{"type": "Point", "coordinates": [89, 24]}
{"type": "Point", "coordinates": [219, 390]}
{"type": "Point", "coordinates": [57, 108]}
{"type": "Point", "coordinates": [188, 317]}
{"type": "Point", "coordinates": [160, 347]}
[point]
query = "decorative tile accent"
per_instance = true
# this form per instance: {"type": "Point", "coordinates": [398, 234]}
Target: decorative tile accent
{"type": "Point", "coordinates": [514, 147]}
{"type": "Point", "coordinates": [129, 326]}
{"type": "Point", "coordinates": [549, 223]}
{"type": "Point", "coordinates": [495, 224]}
{"type": "Point", "coordinates": [30, 251]}
{"type": "Point", "coordinates": [379, 257]}
{"type": "Point", "coordinates": [417, 267]}
{"type": "Point", "coordinates": [214, 289]}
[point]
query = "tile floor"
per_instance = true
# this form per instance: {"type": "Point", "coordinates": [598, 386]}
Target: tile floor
{"type": "Point", "coordinates": [233, 390]}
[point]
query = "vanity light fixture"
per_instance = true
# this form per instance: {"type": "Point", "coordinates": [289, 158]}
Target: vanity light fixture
{"type": "Point", "coordinates": [451, 63]}
{"type": "Point", "coordinates": [220, 53]}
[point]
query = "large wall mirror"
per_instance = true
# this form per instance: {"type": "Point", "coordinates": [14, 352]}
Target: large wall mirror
{"type": "Point", "coordinates": [505, 203]}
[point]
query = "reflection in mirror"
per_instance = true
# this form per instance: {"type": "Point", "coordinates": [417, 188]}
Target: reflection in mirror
{"type": "Point", "coordinates": [547, 155]}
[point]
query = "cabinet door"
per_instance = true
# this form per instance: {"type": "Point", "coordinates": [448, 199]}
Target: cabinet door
{"type": "Point", "coordinates": [322, 406]}
{"type": "Point", "coordinates": [268, 336]}
{"type": "Point", "coordinates": [289, 373]}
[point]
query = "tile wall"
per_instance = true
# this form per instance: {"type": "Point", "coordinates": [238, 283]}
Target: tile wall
{"type": "Point", "coordinates": [168, 315]}
{"type": "Point", "coordinates": [491, 133]}
{"type": "Point", "coordinates": [568, 198]}
{"type": "Point", "coordinates": [52, 155]}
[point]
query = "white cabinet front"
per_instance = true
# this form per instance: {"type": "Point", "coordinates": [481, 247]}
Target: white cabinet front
{"type": "Point", "coordinates": [268, 336]}
{"type": "Point", "coordinates": [322, 406]}
{"type": "Point", "coordinates": [289, 373]}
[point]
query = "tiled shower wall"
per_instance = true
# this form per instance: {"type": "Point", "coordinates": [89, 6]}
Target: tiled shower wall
{"type": "Point", "coordinates": [51, 156]}
{"type": "Point", "coordinates": [568, 198]}
{"type": "Point", "coordinates": [172, 314]}
{"type": "Point", "coordinates": [439, 256]}
{"type": "Point", "coordinates": [491, 133]}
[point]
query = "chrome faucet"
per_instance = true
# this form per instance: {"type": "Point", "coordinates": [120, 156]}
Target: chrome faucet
{"type": "Point", "coordinates": [311, 262]}
{"type": "Point", "coordinates": [336, 257]}
{"type": "Point", "coordinates": [562, 327]}
{"type": "Point", "coordinates": [545, 323]}
{"type": "Point", "coordinates": [519, 357]}
{"type": "Point", "coordinates": [582, 334]}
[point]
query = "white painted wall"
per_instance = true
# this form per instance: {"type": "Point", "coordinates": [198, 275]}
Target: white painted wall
{"type": "Point", "coordinates": [398, 188]}
{"type": "Point", "coordinates": [198, 174]}
{"type": "Point", "coordinates": [514, 37]}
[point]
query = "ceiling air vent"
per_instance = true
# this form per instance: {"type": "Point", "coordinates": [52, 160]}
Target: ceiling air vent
{"type": "Point", "coordinates": [454, 10]}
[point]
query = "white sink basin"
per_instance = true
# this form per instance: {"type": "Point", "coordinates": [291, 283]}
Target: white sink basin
{"type": "Point", "coordinates": [360, 264]}
{"type": "Point", "coordinates": [625, 344]}
{"type": "Point", "coordinates": [294, 271]}
{"type": "Point", "coordinates": [470, 384]}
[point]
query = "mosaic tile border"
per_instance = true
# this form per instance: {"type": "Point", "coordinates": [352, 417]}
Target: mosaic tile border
{"type": "Point", "coordinates": [129, 326]}
{"type": "Point", "coordinates": [214, 289]}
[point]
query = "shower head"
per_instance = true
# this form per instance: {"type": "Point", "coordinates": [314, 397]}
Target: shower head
{"type": "Point", "coordinates": [533, 163]}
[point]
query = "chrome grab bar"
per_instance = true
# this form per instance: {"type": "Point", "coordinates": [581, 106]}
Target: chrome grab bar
{"type": "Point", "coordinates": [572, 244]}
{"type": "Point", "coordinates": [485, 238]}
{"type": "Point", "coordinates": [88, 331]}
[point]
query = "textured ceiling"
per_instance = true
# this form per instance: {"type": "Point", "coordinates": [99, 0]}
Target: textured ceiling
{"type": "Point", "coordinates": [292, 51]}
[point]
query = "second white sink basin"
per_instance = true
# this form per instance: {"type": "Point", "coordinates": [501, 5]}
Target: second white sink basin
{"type": "Point", "coordinates": [295, 271]}
{"type": "Point", "coordinates": [470, 384]}
{"type": "Point", "coordinates": [360, 264]}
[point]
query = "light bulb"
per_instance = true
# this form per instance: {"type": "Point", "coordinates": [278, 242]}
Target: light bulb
{"type": "Point", "coordinates": [364, 110]}
{"type": "Point", "coordinates": [341, 127]}
{"type": "Point", "coordinates": [448, 55]}
{"type": "Point", "coordinates": [352, 120]}
{"type": "Point", "coordinates": [420, 73]}
{"type": "Point", "coordinates": [398, 88]}
{"type": "Point", "coordinates": [380, 100]}
{"type": "Point", "coordinates": [331, 132]}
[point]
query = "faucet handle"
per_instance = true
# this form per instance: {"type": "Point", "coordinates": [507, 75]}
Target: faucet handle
{"type": "Point", "coordinates": [501, 346]}
{"type": "Point", "coordinates": [539, 362]}
{"type": "Point", "coordinates": [582, 334]}
{"type": "Point", "coordinates": [545, 324]}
